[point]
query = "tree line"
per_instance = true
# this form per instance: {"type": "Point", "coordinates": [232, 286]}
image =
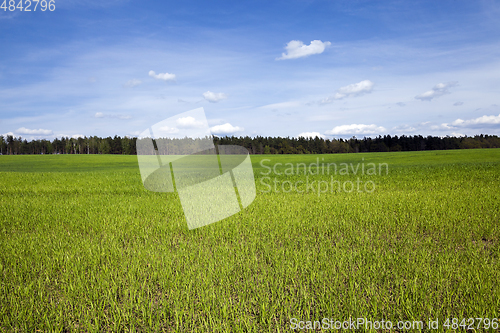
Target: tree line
{"type": "Point", "coordinates": [317, 145]}
{"type": "Point", "coordinates": [11, 145]}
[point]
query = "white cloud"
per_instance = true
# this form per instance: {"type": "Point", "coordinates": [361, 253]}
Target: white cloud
{"type": "Point", "coordinates": [27, 131]}
{"type": "Point", "coordinates": [352, 90]}
{"type": "Point", "coordinates": [404, 128]}
{"type": "Point", "coordinates": [133, 134]}
{"type": "Point", "coordinates": [168, 130]}
{"type": "Point", "coordinates": [132, 83]}
{"type": "Point", "coordinates": [311, 135]}
{"type": "Point", "coordinates": [117, 116]}
{"type": "Point", "coordinates": [401, 104]}
{"type": "Point", "coordinates": [356, 129]}
{"type": "Point", "coordinates": [226, 128]}
{"type": "Point", "coordinates": [442, 127]}
{"type": "Point", "coordinates": [484, 120]}
{"type": "Point", "coordinates": [214, 97]}
{"type": "Point", "coordinates": [74, 136]}
{"type": "Point", "coordinates": [458, 103]}
{"type": "Point", "coordinates": [162, 76]}
{"type": "Point", "coordinates": [459, 124]}
{"type": "Point", "coordinates": [416, 128]}
{"type": "Point", "coordinates": [355, 89]}
{"type": "Point", "coordinates": [189, 122]}
{"type": "Point", "coordinates": [439, 89]}
{"type": "Point", "coordinates": [297, 49]}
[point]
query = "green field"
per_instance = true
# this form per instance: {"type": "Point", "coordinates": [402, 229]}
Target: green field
{"type": "Point", "coordinates": [84, 247]}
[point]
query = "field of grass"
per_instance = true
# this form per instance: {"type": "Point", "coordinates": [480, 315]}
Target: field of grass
{"type": "Point", "coordinates": [84, 247]}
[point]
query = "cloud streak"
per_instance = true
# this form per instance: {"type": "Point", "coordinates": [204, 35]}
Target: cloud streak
{"type": "Point", "coordinates": [116, 116]}
{"type": "Point", "coordinates": [439, 90]}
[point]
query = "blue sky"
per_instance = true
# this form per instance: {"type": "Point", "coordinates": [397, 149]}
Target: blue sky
{"type": "Point", "coordinates": [271, 68]}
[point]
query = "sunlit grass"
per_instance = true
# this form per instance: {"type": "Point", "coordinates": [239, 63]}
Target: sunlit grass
{"type": "Point", "coordinates": [85, 247]}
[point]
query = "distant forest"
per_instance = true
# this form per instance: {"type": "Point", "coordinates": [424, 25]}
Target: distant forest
{"type": "Point", "coordinates": [258, 145]}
